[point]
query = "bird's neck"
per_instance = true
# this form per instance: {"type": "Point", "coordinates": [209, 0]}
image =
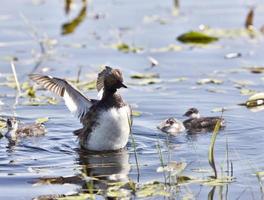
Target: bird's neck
{"type": "Point", "coordinates": [112, 99]}
{"type": "Point", "coordinates": [109, 93]}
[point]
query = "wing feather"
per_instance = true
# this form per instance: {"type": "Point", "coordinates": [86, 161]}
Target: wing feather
{"type": "Point", "coordinates": [76, 102]}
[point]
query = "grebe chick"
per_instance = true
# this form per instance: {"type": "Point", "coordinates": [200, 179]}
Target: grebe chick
{"type": "Point", "coordinates": [196, 122]}
{"type": "Point", "coordinates": [171, 126]}
{"type": "Point", "coordinates": [15, 130]}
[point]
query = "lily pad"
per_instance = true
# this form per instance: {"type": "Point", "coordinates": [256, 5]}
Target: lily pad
{"type": "Point", "coordinates": [196, 37]}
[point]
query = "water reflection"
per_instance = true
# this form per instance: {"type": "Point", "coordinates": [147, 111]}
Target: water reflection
{"type": "Point", "coordinates": [112, 166]}
{"type": "Point", "coordinates": [97, 171]}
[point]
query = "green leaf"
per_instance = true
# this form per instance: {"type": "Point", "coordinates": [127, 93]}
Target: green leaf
{"type": "Point", "coordinates": [211, 148]}
{"type": "Point", "coordinates": [196, 38]}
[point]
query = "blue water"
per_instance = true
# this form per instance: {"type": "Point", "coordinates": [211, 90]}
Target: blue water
{"type": "Point", "coordinates": [25, 23]}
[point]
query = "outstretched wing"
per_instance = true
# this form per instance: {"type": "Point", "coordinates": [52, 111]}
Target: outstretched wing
{"type": "Point", "coordinates": [76, 102]}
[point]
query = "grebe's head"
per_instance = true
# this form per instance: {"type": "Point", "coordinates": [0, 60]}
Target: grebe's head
{"type": "Point", "coordinates": [171, 126]}
{"type": "Point", "coordinates": [192, 113]}
{"type": "Point", "coordinates": [110, 79]}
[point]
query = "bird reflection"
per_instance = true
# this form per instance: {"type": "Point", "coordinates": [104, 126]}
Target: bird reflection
{"type": "Point", "coordinates": [97, 169]}
{"type": "Point", "coordinates": [112, 166]}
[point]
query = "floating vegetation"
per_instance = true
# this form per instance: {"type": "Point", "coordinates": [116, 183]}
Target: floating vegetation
{"type": "Point", "coordinates": [85, 85]}
{"type": "Point", "coordinates": [196, 38]}
{"type": "Point", "coordinates": [148, 81]}
{"type": "Point", "coordinates": [255, 70]}
{"type": "Point", "coordinates": [245, 91]}
{"type": "Point", "coordinates": [70, 27]}
{"type": "Point", "coordinates": [152, 189]}
{"type": "Point", "coordinates": [144, 76]}
{"type": "Point", "coordinates": [209, 81]}
{"type": "Point", "coordinates": [243, 83]}
{"type": "Point", "coordinates": [231, 33]}
{"type": "Point", "coordinates": [125, 48]}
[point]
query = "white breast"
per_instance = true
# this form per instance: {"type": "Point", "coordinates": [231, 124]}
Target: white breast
{"type": "Point", "coordinates": [112, 132]}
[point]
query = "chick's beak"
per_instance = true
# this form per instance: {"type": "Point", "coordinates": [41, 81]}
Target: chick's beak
{"type": "Point", "coordinates": [186, 114]}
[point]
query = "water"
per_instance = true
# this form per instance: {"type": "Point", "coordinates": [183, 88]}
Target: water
{"type": "Point", "coordinates": [57, 154]}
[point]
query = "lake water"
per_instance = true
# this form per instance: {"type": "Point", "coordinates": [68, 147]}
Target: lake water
{"type": "Point", "coordinates": [149, 25]}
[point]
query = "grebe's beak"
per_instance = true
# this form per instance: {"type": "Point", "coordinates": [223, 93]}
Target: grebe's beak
{"type": "Point", "coordinates": [123, 85]}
